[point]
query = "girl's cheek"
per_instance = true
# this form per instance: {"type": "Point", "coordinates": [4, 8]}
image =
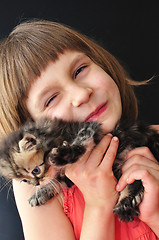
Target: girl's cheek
{"type": "Point", "coordinates": [50, 114]}
{"type": "Point", "coordinates": [57, 113]}
{"type": "Point", "coordinates": [104, 81]}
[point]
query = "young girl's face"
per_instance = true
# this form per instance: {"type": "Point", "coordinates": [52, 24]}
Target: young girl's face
{"type": "Point", "coordinates": [75, 88]}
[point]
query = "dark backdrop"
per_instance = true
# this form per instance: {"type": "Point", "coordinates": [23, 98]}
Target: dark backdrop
{"type": "Point", "coordinates": [128, 29]}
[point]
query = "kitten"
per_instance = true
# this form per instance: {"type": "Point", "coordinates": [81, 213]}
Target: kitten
{"type": "Point", "coordinates": [28, 153]}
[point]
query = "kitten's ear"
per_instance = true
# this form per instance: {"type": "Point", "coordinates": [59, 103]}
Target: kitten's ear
{"type": "Point", "coordinates": [28, 142]}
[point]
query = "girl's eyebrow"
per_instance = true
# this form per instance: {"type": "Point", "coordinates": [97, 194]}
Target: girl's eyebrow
{"type": "Point", "coordinates": [77, 59]}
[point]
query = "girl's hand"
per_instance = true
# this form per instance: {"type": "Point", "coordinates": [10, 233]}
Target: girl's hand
{"type": "Point", "coordinates": [141, 165]}
{"type": "Point", "coordinates": [93, 175]}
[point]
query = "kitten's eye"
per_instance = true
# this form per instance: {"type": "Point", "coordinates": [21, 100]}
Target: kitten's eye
{"type": "Point", "coordinates": [79, 70]}
{"type": "Point", "coordinates": [24, 180]}
{"type": "Point", "coordinates": [36, 171]}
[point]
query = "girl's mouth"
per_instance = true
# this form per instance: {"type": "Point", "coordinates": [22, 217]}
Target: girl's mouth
{"type": "Point", "coordinates": [98, 111]}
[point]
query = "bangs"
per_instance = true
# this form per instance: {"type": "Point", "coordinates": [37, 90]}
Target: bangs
{"type": "Point", "coordinates": [30, 48]}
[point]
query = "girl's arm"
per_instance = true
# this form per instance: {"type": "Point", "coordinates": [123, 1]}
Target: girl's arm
{"type": "Point", "coordinates": [45, 222]}
{"type": "Point", "coordinates": [101, 224]}
{"type": "Point", "coordinates": [93, 175]}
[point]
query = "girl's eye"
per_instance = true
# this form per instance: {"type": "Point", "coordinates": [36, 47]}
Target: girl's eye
{"type": "Point", "coordinates": [79, 70]}
{"type": "Point", "coordinates": [50, 100]}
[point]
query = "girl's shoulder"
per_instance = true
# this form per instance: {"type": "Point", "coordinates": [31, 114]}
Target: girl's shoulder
{"type": "Point", "coordinates": [49, 220]}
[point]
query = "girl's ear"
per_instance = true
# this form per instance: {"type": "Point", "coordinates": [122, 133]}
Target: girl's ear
{"type": "Point", "coordinates": [28, 142]}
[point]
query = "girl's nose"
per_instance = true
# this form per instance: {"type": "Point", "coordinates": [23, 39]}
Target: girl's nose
{"type": "Point", "coordinates": [81, 96]}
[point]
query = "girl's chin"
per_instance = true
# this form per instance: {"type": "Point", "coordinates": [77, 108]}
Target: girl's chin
{"type": "Point", "coordinates": [108, 127]}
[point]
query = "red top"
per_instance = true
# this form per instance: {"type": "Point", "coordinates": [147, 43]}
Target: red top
{"type": "Point", "coordinates": [74, 208]}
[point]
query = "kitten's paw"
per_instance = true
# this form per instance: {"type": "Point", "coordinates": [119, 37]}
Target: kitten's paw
{"type": "Point", "coordinates": [91, 130]}
{"type": "Point", "coordinates": [41, 196]}
{"type": "Point", "coordinates": [125, 211]}
{"type": "Point", "coordinates": [128, 208]}
{"type": "Point", "coordinates": [65, 154]}
{"type": "Point", "coordinates": [36, 201]}
{"type": "Point", "coordinates": [84, 134]}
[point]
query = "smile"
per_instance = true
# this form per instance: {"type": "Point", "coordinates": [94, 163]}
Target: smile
{"type": "Point", "coordinates": [95, 114]}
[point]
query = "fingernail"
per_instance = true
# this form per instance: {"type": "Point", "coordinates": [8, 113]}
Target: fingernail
{"type": "Point", "coordinates": [115, 139]}
{"type": "Point", "coordinates": [117, 187]}
{"type": "Point", "coordinates": [125, 158]}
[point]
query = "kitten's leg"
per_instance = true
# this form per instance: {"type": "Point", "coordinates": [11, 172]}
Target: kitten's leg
{"type": "Point", "coordinates": [43, 195]}
{"type": "Point", "coordinates": [91, 130]}
{"type": "Point", "coordinates": [89, 135]}
{"type": "Point", "coordinates": [65, 154]}
{"type": "Point", "coordinates": [127, 206]}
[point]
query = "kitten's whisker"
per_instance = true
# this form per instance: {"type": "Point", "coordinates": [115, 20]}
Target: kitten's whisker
{"type": "Point", "coordinates": [9, 191]}
{"type": "Point", "coordinates": [59, 190]}
{"type": "Point", "coordinates": [55, 185]}
{"type": "Point", "coordinates": [58, 187]}
{"type": "Point", "coordinates": [58, 182]}
{"type": "Point", "coordinates": [54, 179]}
{"type": "Point", "coordinates": [5, 184]}
{"type": "Point", "coordinates": [36, 192]}
{"type": "Point", "coordinates": [61, 187]}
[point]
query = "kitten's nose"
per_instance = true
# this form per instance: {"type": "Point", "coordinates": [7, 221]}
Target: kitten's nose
{"type": "Point", "coordinates": [37, 182]}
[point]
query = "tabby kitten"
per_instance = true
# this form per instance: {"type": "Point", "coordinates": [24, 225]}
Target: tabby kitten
{"type": "Point", "coordinates": [28, 153]}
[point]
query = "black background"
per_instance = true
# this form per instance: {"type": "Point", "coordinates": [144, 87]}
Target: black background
{"type": "Point", "coordinates": [128, 29]}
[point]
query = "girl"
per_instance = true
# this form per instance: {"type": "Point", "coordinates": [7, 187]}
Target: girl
{"type": "Point", "coordinates": [47, 69]}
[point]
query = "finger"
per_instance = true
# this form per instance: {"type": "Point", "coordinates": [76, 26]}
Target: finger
{"type": "Point", "coordinates": [91, 158]}
{"type": "Point", "coordinates": [98, 152]}
{"type": "Point", "coordinates": [110, 154]}
{"type": "Point", "coordinates": [148, 179]}
{"type": "Point", "coordinates": [139, 160]}
{"type": "Point", "coordinates": [140, 174]}
{"type": "Point", "coordinates": [135, 172]}
{"type": "Point", "coordinates": [143, 151]}
{"type": "Point", "coordinates": [123, 181]}
{"type": "Point", "coordinates": [127, 179]}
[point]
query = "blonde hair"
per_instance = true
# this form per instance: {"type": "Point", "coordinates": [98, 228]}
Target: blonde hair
{"type": "Point", "coordinates": [27, 51]}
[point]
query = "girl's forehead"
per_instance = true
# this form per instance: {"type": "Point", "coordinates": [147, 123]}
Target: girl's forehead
{"type": "Point", "coordinates": [69, 59]}
{"type": "Point", "coordinates": [71, 55]}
